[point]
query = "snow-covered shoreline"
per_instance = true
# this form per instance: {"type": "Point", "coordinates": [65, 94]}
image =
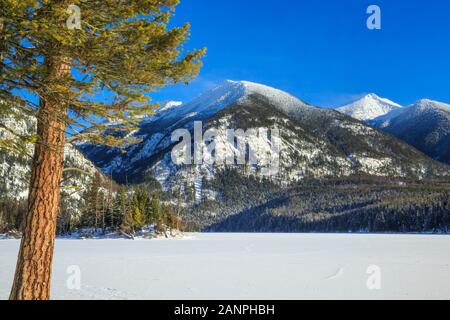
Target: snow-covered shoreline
{"type": "Point", "coordinates": [178, 235]}
{"type": "Point", "coordinates": [146, 233]}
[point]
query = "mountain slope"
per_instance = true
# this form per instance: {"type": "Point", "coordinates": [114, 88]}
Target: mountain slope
{"type": "Point", "coordinates": [314, 142]}
{"type": "Point", "coordinates": [369, 107]}
{"type": "Point", "coordinates": [15, 168]}
{"type": "Point", "coordinates": [425, 125]}
{"type": "Point", "coordinates": [355, 204]}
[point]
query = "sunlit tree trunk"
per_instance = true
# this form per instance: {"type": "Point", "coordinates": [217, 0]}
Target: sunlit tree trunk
{"type": "Point", "coordinates": [34, 265]}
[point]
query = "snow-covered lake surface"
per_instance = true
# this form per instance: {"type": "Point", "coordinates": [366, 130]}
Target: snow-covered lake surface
{"type": "Point", "coordinates": [248, 266]}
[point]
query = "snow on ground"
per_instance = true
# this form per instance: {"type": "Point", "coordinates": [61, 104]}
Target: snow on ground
{"type": "Point", "coordinates": [248, 266]}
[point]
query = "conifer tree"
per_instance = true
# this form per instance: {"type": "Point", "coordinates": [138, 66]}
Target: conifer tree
{"type": "Point", "coordinates": [142, 202]}
{"type": "Point", "coordinates": [94, 201]}
{"type": "Point", "coordinates": [64, 52]}
{"type": "Point", "coordinates": [128, 223]}
{"type": "Point", "coordinates": [155, 209]}
{"type": "Point", "coordinates": [138, 213]}
{"type": "Point", "coordinates": [118, 210]}
{"type": "Point", "coordinates": [123, 201]}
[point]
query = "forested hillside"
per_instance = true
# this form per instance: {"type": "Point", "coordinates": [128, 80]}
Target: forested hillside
{"type": "Point", "coordinates": [358, 204]}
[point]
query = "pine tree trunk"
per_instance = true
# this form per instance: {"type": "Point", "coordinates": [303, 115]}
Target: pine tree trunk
{"type": "Point", "coordinates": [34, 264]}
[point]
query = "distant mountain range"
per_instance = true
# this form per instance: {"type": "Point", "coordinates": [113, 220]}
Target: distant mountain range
{"type": "Point", "coordinates": [372, 138]}
{"type": "Point", "coordinates": [315, 142]}
{"type": "Point", "coordinates": [424, 124]}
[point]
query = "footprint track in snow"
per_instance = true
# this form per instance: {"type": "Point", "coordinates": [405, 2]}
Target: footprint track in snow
{"type": "Point", "coordinates": [339, 273]}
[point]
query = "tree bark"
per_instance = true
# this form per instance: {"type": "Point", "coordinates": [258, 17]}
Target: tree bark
{"type": "Point", "coordinates": [34, 264]}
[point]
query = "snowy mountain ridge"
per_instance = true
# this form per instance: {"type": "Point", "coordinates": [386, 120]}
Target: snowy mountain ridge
{"type": "Point", "coordinates": [225, 94]}
{"type": "Point", "coordinates": [314, 142]}
{"type": "Point", "coordinates": [369, 107]}
{"type": "Point", "coordinates": [427, 103]}
{"type": "Point", "coordinates": [424, 124]}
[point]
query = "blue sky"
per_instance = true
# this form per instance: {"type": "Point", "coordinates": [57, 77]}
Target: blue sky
{"type": "Point", "coordinates": [321, 51]}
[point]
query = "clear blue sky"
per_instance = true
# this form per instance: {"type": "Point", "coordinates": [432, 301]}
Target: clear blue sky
{"type": "Point", "coordinates": [322, 51]}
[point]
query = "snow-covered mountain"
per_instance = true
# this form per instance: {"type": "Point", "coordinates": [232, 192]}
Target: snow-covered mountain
{"type": "Point", "coordinates": [313, 143]}
{"type": "Point", "coordinates": [425, 125]}
{"type": "Point", "coordinates": [15, 168]}
{"type": "Point", "coordinates": [369, 107]}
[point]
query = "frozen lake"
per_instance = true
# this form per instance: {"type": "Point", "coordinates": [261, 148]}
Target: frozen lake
{"type": "Point", "coordinates": [248, 266]}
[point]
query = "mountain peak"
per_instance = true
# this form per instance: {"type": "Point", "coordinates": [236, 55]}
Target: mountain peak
{"type": "Point", "coordinates": [372, 96]}
{"type": "Point", "coordinates": [427, 103]}
{"type": "Point", "coordinates": [249, 88]}
{"type": "Point", "coordinates": [383, 100]}
{"type": "Point", "coordinates": [229, 93]}
{"type": "Point", "coordinates": [425, 125]}
{"type": "Point", "coordinates": [170, 104]}
{"type": "Point", "coordinates": [369, 107]}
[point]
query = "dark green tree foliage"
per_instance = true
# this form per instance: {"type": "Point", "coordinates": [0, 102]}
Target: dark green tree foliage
{"type": "Point", "coordinates": [249, 204]}
{"type": "Point", "coordinates": [130, 209]}
{"type": "Point", "coordinates": [155, 209]}
{"type": "Point", "coordinates": [94, 202]}
{"type": "Point", "coordinates": [357, 204]}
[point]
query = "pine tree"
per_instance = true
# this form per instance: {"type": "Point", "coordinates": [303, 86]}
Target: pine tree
{"type": "Point", "coordinates": [109, 215]}
{"type": "Point", "coordinates": [128, 223]}
{"type": "Point", "coordinates": [139, 209]}
{"type": "Point", "coordinates": [156, 209]}
{"type": "Point", "coordinates": [122, 200]}
{"type": "Point", "coordinates": [142, 202]}
{"type": "Point", "coordinates": [173, 221]}
{"type": "Point", "coordinates": [118, 209]}
{"type": "Point", "coordinates": [121, 46]}
{"type": "Point", "coordinates": [94, 201]}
